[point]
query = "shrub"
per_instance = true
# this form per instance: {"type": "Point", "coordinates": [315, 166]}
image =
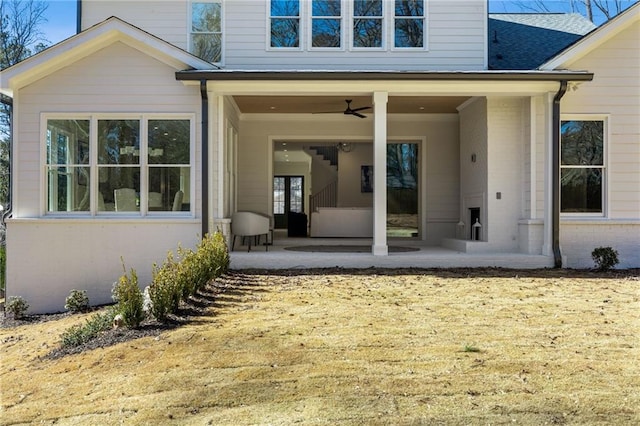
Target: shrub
{"type": "Point", "coordinates": [605, 258]}
{"type": "Point", "coordinates": [129, 299]}
{"type": "Point", "coordinates": [3, 266]}
{"type": "Point", "coordinates": [17, 306]}
{"type": "Point", "coordinates": [77, 301]}
{"type": "Point", "coordinates": [164, 292]}
{"type": "Point", "coordinates": [82, 333]}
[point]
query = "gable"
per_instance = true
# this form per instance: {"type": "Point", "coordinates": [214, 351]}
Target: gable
{"type": "Point", "coordinates": [82, 45]}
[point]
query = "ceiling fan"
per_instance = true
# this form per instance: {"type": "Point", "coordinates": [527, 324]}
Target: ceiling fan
{"type": "Point", "coordinates": [348, 110]}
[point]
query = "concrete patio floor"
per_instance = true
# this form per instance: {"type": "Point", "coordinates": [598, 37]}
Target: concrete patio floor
{"type": "Point", "coordinates": [277, 257]}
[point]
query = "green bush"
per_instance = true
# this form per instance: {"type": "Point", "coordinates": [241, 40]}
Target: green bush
{"type": "Point", "coordinates": [129, 299]}
{"type": "Point", "coordinates": [3, 266]}
{"type": "Point", "coordinates": [178, 279]}
{"type": "Point", "coordinates": [17, 306]}
{"type": "Point", "coordinates": [605, 258]}
{"type": "Point", "coordinates": [82, 333]}
{"type": "Point", "coordinates": [77, 301]}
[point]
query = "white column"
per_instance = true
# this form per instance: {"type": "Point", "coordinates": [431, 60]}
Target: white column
{"type": "Point", "coordinates": [380, 247]}
{"type": "Point", "coordinates": [547, 246]}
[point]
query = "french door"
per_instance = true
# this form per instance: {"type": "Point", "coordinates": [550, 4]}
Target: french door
{"type": "Point", "coordinates": [288, 196]}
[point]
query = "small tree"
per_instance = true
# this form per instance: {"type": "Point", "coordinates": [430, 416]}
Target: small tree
{"type": "Point", "coordinates": [605, 258]}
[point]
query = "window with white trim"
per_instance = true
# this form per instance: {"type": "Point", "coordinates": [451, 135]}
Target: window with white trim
{"type": "Point", "coordinates": [582, 166]}
{"type": "Point", "coordinates": [137, 165]}
{"type": "Point", "coordinates": [284, 20]}
{"type": "Point", "coordinates": [409, 24]}
{"type": "Point", "coordinates": [326, 23]}
{"type": "Point", "coordinates": [206, 30]}
{"type": "Point", "coordinates": [368, 23]}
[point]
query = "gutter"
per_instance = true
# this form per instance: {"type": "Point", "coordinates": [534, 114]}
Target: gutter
{"type": "Point", "coordinates": [205, 157]}
{"type": "Point", "coordinates": [555, 180]}
{"type": "Point", "coordinates": [324, 75]}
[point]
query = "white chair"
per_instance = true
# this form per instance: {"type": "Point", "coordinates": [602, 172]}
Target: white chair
{"type": "Point", "coordinates": [177, 201]}
{"type": "Point", "coordinates": [250, 225]}
{"type": "Point", "coordinates": [125, 200]}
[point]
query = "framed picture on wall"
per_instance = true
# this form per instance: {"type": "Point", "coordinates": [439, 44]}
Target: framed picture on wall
{"type": "Point", "coordinates": [366, 179]}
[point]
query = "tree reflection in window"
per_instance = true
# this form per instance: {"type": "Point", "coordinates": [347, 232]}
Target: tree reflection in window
{"type": "Point", "coordinates": [206, 30]}
{"type": "Point", "coordinates": [285, 23]}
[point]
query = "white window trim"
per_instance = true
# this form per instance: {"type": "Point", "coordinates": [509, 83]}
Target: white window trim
{"type": "Point", "coordinates": [342, 18]}
{"type": "Point", "coordinates": [301, 28]}
{"type": "Point", "coordinates": [222, 27]}
{"type": "Point", "coordinates": [93, 164]}
{"type": "Point", "coordinates": [605, 118]}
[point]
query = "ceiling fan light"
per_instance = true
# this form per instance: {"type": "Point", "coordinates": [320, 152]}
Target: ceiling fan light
{"type": "Point", "coordinates": [345, 146]}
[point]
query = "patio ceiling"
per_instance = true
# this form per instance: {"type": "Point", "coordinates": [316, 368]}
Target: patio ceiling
{"type": "Point", "coordinates": [319, 104]}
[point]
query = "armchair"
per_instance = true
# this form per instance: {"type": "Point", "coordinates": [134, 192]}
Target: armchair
{"type": "Point", "coordinates": [250, 225]}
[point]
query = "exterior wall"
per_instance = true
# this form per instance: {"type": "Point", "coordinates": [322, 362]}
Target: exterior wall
{"type": "Point", "coordinates": [456, 35]}
{"type": "Point", "coordinates": [166, 19]}
{"type": "Point", "coordinates": [613, 93]}
{"type": "Point", "coordinates": [505, 185]}
{"type": "Point", "coordinates": [440, 177]}
{"type": "Point", "coordinates": [84, 253]}
{"type": "Point", "coordinates": [50, 257]}
{"type": "Point", "coordinates": [473, 173]}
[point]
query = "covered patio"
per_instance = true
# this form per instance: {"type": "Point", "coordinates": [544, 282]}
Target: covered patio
{"type": "Point", "coordinates": [345, 253]}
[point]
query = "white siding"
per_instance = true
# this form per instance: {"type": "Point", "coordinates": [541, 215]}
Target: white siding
{"type": "Point", "coordinates": [166, 19]}
{"type": "Point", "coordinates": [85, 253]}
{"type": "Point", "coordinates": [615, 91]}
{"type": "Point", "coordinates": [456, 36]}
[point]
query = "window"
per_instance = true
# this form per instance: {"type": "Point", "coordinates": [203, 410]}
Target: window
{"type": "Point", "coordinates": [326, 23]}
{"type": "Point", "coordinates": [285, 23]}
{"type": "Point", "coordinates": [206, 29]}
{"type": "Point", "coordinates": [133, 165]}
{"type": "Point", "coordinates": [582, 168]}
{"type": "Point", "coordinates": [368, 23]}
{"type": "Point", "coordinates": [409, 23]}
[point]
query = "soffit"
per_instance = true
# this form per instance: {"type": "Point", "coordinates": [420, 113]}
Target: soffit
{"type": "Point", "coordinates": [324, 104]}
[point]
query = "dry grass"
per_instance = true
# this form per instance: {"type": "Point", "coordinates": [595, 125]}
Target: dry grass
{"type": "Point", "coordinates": [433, 347]}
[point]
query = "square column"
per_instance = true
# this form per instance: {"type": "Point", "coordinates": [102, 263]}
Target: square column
{"type": "Point", "coordinates": [380, 247]}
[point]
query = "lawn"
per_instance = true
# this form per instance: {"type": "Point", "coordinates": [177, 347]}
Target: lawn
{"type": "Point", "coordinates": [353, 347]}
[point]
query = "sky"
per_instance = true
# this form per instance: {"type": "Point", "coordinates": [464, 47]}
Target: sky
{"type": "Point", "coordinates": [61, 15]}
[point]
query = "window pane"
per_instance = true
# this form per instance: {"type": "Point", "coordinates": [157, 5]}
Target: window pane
{"type": "Point", "coordinates": [285, 33]}
{"type": "Point", "coordinates": [207, 46]}
{"type": "Point", "coordinates": [120, 188]}
{"type": "Point", "coordinates": [169, 141]}
{"type": "Point", "coordinates": [118, 142]}
{"type": "Point", "coordinates": [68, 142]}
{"type": "Point", "coordinates": [206, 17]}
{"type": "Point", "coordinates": [367, 33]}
{"type": "Point", "coordinates": [367, 8]}
{"type": "Point", "coordinates": [167, 188]}
{"type": "Point", "coordinates": [326, 8]}
{"type": "Point", "coordinates": [409, 8]}
{"type": "Point", "coordinates": [409, 33]}
{"type": "Point", "coordinates": [285, 8]}
{"type": "Point", "coordinates": [326, 33]}
{"type": "Point", "coordinates": [581, 190]}
{"type": "Point", "coordinates": [68, 189]}
{"type": "Point", "coordinates": [582, 143]}
{"type": "Point", "coordinates": [296, 202]}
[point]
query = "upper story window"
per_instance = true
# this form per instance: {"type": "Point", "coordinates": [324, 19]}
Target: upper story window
{"type": "Point", "coordinates": [582, 166]}
{"type": "Point", "coordinates": [409, 20]}
{"type": "Point", "coordinates": [135, 165]}
{"type": "Point", "coordinates": [206, 29]}
{"type": "Point", "coordinates": [285, 23]}
{"type": "Point", "coordinates": [368, 23]}
{"type": "Point", "coordinates": [326, 23]}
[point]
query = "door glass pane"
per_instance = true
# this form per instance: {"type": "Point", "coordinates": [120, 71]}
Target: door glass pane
{"type": "Point", "coordinates": [278, 195]}
{"type": "Point", "coordinates": [296, 203]}
{"type": "Point", "coordinates": [402, 190]}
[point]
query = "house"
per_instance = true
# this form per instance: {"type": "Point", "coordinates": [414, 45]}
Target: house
{"type": "Point", "coordinates": [160, 119]}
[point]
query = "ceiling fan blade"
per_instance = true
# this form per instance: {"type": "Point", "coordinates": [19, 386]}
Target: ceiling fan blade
{"type": "Point", "coordinates": [357, 114]}
{"type": "Point", "coordinates": [360, 109]}
{"type": "Point", "coordinates": [327, 112]}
